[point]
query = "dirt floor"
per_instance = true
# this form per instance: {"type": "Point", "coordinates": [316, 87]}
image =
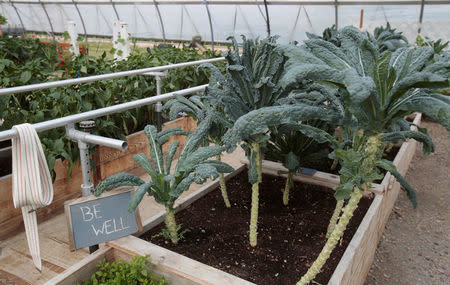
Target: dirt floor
{"type": "Point", "coordinates": [415, 246]}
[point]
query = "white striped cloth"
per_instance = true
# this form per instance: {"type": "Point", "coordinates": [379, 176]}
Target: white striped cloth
{"type": "Point", "coordinates": [32, 183]}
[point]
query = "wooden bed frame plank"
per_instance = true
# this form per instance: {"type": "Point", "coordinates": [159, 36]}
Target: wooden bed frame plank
{"type": "Point", "coordinates": [82, 270]}
{"type": "Point", "coordinates": [176, 268]}
{"type": "Point", "coordinates": [318, 178]}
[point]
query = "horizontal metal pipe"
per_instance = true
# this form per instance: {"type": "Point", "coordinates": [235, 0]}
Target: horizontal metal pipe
{"type": "Point", "coordinates": [39, 86]}
{"type": "Point", "coordinates": [47, 125]}
{"type": "Point", "coordinates": [237, 2]}
{"type": "Point", "coordinates": [96, 140]}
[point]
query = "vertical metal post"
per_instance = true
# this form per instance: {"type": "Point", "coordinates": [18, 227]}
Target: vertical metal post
{"type": "Point", "coordinates": [82, 23]}
{"type": "Point", "coordinates": [267, 18]}
{"type": "Point", "coordinates": [336, 13]}
{"type": "Point", "coordinates": [422, 6]}
{"type": "Point", "coordinates": [115, 11]}
{"type": "Point", "coordinates": [87, 188]}
{"type": "Point", "coordinates": [158, 105]}
{"type": "Point", "coordinates": [18, 15]}
{"type": "Point", "coordinates": [160, 20]}
{"type": "Point", "coordinates": [49, 21]}
{"type": "Point", "coordinates": [210, 24]}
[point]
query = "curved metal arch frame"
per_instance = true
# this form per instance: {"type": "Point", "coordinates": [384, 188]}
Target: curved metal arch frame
{"type": "Point", "coordinates": [210, 23]}
{"type": "Point", "coordinates": [48, 18]}
{"type": "Point", "coordinates": [18, 15]}
{"type": "Point", "coordinates": [115, 10]}
{"type": "Point", "coordinates": [82, 23]}
{"type": "Point", "coordinates": [267, 18]}
{"type": "Point", "coordinates": [155, 3]}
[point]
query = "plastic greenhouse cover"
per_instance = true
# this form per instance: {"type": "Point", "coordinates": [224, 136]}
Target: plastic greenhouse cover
{"type": "Point", "coordinates": [182, 22]}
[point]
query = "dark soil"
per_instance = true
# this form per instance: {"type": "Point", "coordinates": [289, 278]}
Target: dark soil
{"type": "Point", "coordinates": [289, 238]}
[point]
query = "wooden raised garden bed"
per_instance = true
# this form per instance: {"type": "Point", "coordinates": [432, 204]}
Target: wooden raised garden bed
{"type": "Point", "coordinates": [108, 161]}
{"type": "Point", "coordinates": [352, 268]}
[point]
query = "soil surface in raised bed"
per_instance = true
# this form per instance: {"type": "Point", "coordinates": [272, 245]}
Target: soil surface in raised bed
{"type": "Point", "coordinates": [289, 238]}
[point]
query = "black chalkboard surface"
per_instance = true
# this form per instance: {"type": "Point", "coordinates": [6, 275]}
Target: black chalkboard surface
{"type": "Point", "coordinates": [92, 220]}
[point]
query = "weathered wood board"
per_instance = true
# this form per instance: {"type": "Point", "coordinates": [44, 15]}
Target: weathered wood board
{"type": "Point", "coordinates": [315, 178]}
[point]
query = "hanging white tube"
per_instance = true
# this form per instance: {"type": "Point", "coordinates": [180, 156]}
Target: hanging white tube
{"type": "Point", "coordinates": [32, 184]}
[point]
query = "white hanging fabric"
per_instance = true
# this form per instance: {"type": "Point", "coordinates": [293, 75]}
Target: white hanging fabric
{"type": "Point", "coordinates": [32, 183]}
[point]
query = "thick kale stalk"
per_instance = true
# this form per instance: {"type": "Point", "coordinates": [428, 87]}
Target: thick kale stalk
{"type": "Point", "coordinates": [223, 187]}
{"type": "Point", "coordinates": [360, 181]}
{"type": "Point", "coordinates": [335, 217]}
{"type": "Point", "coordinates": [256, 154]}
{"type": "Point", "coordinates": [287, 187]}
{"type": "Point", "coordinates": [167, 184]}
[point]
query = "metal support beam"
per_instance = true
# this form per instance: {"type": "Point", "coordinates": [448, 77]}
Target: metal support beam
{"type": "Point", "coordinates": [83, 139]}
{"type": "Point", "coordinates": [155, 3]}
{"type": "Point", "coordinates": [422, 7]}
{"type": "Point", "coordinates": [48, 18]}
{"type": "Point", "coordinates": [60, 122]}
{"type": "Point", "coordinates": [82, 23]}
{"type": "Point", "coordinates": [68, 82]}
{"type": "Point", "coordinates": [115, 11]}
{"type": "Point", "coordinates": [267, 18]}
{"type": "Point", "coordinates": [210, 24]}
{"type": "Point", "coordinates": [336, 14]}
{"type": "Point", "coordinates": [18, 16]}
{"type": "Point", "coordinates": [241, 2]}
{"type": "Point", "coordinates": [158, 106]}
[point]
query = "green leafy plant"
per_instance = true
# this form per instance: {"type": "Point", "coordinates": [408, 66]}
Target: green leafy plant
{"type": "Point", "coordinates": [168, 184]}
{"type": "Point", "coordinates": [377, 90]}
{"type": "Point", "coordinates": [248, 94]}
{"type": "Point", "coordinates": [288, 145]}
{"type": "Point", "coordinates": [3, 20]}
{"type": "Point", "coordinates": [120, 272]}
{"type": "Point", "coordinates": [28, 61]}
{"type": "Point", "coordinates": [329, 35]}
{"type": "Point", "coordinates": [199, 110]}
{"type": "Point", "coordinates": [388, 38]}
{"type": "Point", "coordinates": [438, 45]}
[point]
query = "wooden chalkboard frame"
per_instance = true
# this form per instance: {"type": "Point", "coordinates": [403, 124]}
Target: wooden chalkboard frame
{"type": "Point", "coordinates": [113, 192]}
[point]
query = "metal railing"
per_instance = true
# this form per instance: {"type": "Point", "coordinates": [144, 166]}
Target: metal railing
{"type": "Point", "coordinates": [84, 138]}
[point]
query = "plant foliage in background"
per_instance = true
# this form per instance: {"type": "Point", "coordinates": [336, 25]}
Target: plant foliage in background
{"type": "Point", "coordinates": [287, 144]}
{"type": "Point", "coordinates": [137, 272]}
{"type": "Point", "coordinates": [28, 61]}
{"type": "Point", "coordinates": [167, 183]}
{"type": "Point", "coordinates": [3, 20]}
{"type": "Point", "coordinates": [388, 38]}
{"type": "Point", "coordinates": [438, 45]}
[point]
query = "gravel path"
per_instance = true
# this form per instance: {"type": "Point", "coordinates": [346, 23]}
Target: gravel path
{"type": "Point", "coordinates": [416, 243]}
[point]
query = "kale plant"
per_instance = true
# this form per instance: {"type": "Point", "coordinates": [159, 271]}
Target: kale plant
{"type": "Point", "coordinates": [376, 90]}
{"type": "Point", "coordinates": [248, 94]}
{"type": "Point", "coordinates": [388, 38]}
{"type": "Point", "coordinates": [166, 183]}
{"type": "Point", "coordinates": [289, 145]}
{"type": "Point", "coordinates": [200, 110]}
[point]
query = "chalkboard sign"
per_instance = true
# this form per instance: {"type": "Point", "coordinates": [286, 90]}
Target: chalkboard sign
{"type": "Point", "coordinates": [92, 220]}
